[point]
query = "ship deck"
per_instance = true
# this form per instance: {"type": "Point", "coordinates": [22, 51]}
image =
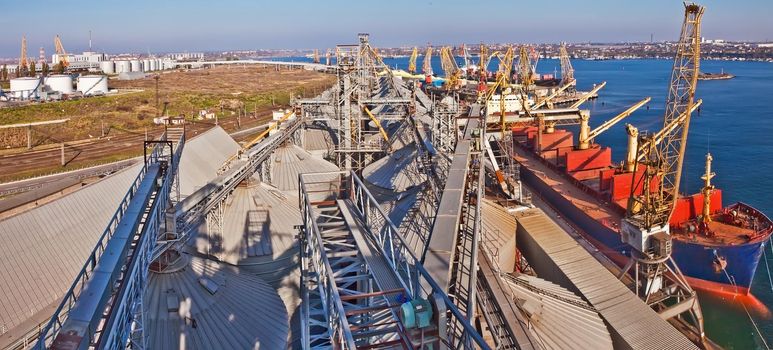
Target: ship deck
{"type": "Point", "coordinates": [603, 212]}
{"type": "Point", "coordinates": [562, 185]}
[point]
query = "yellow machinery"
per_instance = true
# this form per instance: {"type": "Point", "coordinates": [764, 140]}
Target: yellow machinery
{"type": "Point", "coordinates": [412, 61]}
{"type": "Point", "coordinates": [567, 71]}
{"type": "Point", "coordinates": [586, 135]}
{"type": "Point", "coordinates": [61, 53]}
{"type": "Point", "coordinates": [525, 73]}
{"type": "Point", "coordinates": [427, 66]}
{"type": "Point", "coordinates": [450, 68]}
{"type": "Point", "coordinates": [654, 194]}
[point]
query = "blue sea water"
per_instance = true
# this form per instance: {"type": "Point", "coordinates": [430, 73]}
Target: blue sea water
{"type": "Point", "coordinates": [735, 124]}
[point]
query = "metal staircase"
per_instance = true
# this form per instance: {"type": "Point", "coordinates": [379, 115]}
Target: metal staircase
{"type": "Point", "coordinates": [358, 272]}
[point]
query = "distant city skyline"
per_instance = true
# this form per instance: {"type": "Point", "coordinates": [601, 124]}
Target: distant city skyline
{"type": "Point", "coordinates": [199, 25]}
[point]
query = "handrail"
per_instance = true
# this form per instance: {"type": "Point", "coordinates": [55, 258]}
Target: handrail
{"type": "Point", "coordinates": [61, 314]}
{"type": "Point", "coordinates": [402, 252]}
{"type": "Point", "coordinates": [337, 310]}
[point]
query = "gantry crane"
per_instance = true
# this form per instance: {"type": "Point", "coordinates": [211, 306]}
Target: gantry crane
{"type": "Point", "coordinates": [64, 60]}
{"type": "Point", "coordinates": [567, 71]}
{"type": "Point", "coordinates": [450, 69]}
{"type": "Point", "coordinates": [654, 194]}
{"type": "Point", "coordinates": [23, 60]}
{"type": "Point", "coordinates": [412, 61]}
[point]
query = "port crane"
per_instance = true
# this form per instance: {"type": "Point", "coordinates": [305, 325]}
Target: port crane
{"type": "Point", "coordinates": [427, 65]}
{"type": "Point", "coordinates": [567, 71]}
{"type": "Point", "coordinates": [64, 60]}
{"type": "Point", "coordinates": [451, 69]}
{"type": "Point", "coordinates": [412, 61]}
{"type": "Point", "coordinates": [525, 72]}
{"type": "Point", "coordinates": [645, 227]}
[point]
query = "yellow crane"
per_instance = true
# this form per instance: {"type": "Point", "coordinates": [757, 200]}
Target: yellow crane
{"type": "Point", "coordinates": [23, 60]}
{"type": "Point", "coordinates": [654, 194]}
{"type": "Point", "coordinates": [525, 73]}
{"type": "Point", "coordinates": [61, 53]}
{"type": "Point", "coordinates": [450, 69]}
{"type": "Point", "coordinates": [412, 61]}
{"type": "Point", "coordinates": [567, 71]}
{"type": "Point", "coordinates": [427, 65]}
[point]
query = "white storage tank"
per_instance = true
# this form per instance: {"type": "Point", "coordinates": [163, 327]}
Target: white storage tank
{"type": "Point", "coordinates": [135, 66]}
{"type": "Point", "coordinates": [122, 67]}
{"type": "Point", "coordinates": [25, 88]}
{"type": "Point", "coordinates": [146, 65]}
{"type": "Point", "coordinates": [92, 84]}
{"type": "Point", "coordinates": [60, 83]}
{"type": "Point", "coordinates": [107, 67]}
{"type": "Point", "coordinates": [158, 64]}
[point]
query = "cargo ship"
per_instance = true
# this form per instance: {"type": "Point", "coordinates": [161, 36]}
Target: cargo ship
{"type": "Point", "coordinates": [716, 247]}
{"type": "Point", "coordinates": [715, 76]}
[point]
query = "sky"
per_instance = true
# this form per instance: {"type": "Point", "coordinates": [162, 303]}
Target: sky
{"type": "Point", "coordinates": [200, 25]}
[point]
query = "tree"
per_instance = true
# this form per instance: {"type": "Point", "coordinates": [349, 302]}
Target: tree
{"type": "Point", "coordinates": [32, 69]}
{"type": "Point", "coordinates": [4, 73]}
{"type": "Point", "coordinates": [44, 69]}
{"type": "Point", "coordinates": [22, 71]}
{"type": "Point", "coordinates": [59, 68]}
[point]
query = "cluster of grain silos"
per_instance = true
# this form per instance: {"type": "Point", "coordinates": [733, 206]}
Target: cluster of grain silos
{"type": "Point", "coordinates": [136, 65]}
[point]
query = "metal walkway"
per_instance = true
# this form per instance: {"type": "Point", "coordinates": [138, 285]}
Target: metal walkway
{"type": "Point", "coordinates": [357, 273]}
{"type": "Point", "coordinates": [558, 257]}
{"type": "Point", "coordinates": [103, 307]}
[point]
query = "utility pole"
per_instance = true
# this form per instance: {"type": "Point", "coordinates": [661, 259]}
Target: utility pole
{"type": "Point", "coordinates": [158, 112]}
{"type": "Point", "coordinates": [29, 137]}
{"type": "Point", "coordinates": [63, 154]}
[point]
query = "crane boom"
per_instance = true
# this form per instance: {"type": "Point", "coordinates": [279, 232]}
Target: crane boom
{"type": "Point", "coordinates": [586, 136]}
{"type": "Point", "coordinates": [656, 139]}
{"type": "Point", "coordinates": [552, 96]}
{"type": "Point", "coordinates": [654, 190]}
{"type": "Point", "coordinates": [450, 68]}
{"type": "Point", "coordinates": [412, 61]}
{"type": "Point", "coordinates": [567, 71]}
{"type": "Point", "coordinates": [60, 52]}
{"type": "Point", "coordinates": [427, 66]}
{"type": "Point", "coordinates": [525, 73]}
{"type": "Point", "coordinates": [588, 95]}
{"type": "Point", "coordinates": [667, 154]}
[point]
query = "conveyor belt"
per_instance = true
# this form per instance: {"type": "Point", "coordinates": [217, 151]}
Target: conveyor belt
{"type": "Point", "coordinates": [559, 258]}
